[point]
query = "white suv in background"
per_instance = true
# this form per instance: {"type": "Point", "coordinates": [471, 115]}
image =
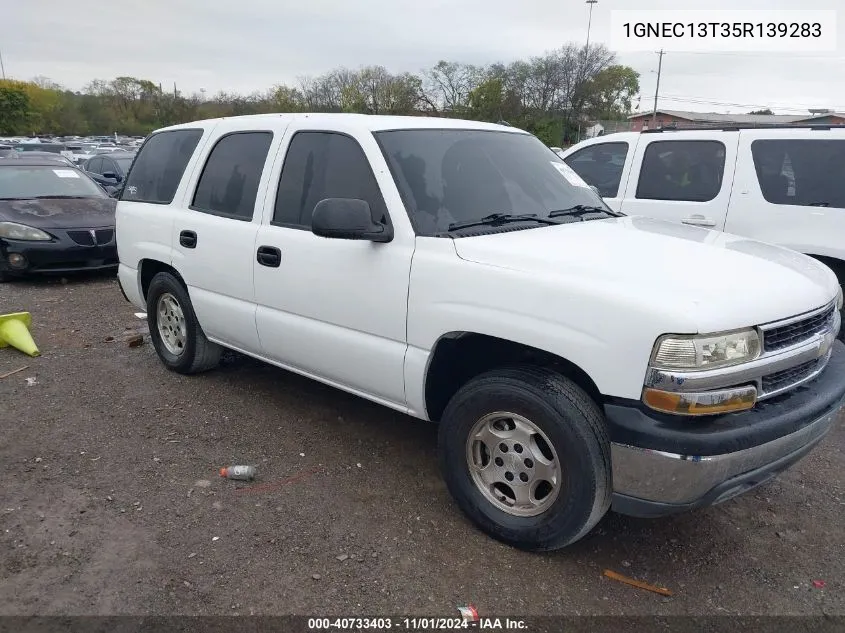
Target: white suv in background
{"type": "Point", "coordinates": [784, 185]}
{"type": "Point", "coordinates": [460, 272]}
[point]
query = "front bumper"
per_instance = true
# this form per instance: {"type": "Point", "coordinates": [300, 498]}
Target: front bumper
{"type": "Point", "coordinates": [61, 254]}
{"type": "Point", "coordinates": [665, 464]}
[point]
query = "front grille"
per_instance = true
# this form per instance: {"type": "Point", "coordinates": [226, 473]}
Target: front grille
{"type": "Point", "coordinates": [104, 236]}
{"type": "Point", "coordinates": [84, 238]}
{"type": "Point", "coordinates": [784, 336]}
{"type": "Point", "coordinates": [787, 377]}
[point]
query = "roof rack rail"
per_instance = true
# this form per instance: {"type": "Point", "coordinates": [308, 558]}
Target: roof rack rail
{"type": "Point", "coordinates": [748, 126]}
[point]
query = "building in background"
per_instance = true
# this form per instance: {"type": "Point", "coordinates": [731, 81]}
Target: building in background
{"type": "Point", "coordinates": [682, 119]}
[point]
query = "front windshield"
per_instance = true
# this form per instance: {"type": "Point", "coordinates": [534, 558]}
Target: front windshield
{"type": "Point", "coordinates": [31, 181]}
{"type": "Point", "coordinates": [452, 176]}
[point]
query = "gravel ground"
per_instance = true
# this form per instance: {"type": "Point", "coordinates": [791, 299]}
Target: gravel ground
{"type": "Point", "coordinates": [111, 503]}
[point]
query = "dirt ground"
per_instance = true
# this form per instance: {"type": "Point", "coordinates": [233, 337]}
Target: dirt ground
{"type": "Point", "coordinates": [111, 503]}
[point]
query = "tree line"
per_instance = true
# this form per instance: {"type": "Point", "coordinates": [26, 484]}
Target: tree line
{"type": "Point", "coordinates": [550, 95]}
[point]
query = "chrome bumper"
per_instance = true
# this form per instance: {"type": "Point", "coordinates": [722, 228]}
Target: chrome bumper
{"type": "Point", "coordinates": [669, 478]}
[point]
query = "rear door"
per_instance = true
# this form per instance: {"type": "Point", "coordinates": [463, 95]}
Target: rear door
{"type": "Point", "coordinates": [683, 177]}
{"type": "Point", "coordinates": [215, 226]}
{"type": "Point", "coordinates": [790, 189]}
{"type": "Point", "coordinates": [605, 166]}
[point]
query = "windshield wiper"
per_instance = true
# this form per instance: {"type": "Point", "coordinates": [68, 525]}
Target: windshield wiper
{"type": "Point", "coordinates": [583, 209]}
{"type": "Point", "coordinates": [497, 219]}
{"type": "Point", "coordinates": [57, 197]}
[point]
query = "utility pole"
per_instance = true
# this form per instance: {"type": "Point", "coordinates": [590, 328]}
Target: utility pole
{"type": "Point", "coordinates": [591, 3]}
{"type": "Point", "coordinates": [2, 67]}
{"type": "Point", "coordinates": [661, 53]}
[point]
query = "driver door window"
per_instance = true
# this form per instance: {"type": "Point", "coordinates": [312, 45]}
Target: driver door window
{"type": "Point", "coordinates": [601, 166]}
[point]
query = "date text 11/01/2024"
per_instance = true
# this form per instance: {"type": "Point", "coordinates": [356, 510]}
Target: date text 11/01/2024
{"type": "Point", "coordinates": [416, 624]}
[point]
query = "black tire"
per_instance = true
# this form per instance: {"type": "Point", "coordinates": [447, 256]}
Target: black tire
{"type": "Point", "coordinates": [199, 354]}
{"type": "Point", "coordinates": [575, 427]}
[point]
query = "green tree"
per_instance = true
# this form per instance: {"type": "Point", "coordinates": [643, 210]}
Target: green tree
{"type": "Point", "coordinates": [610, 92]}
{"type": "Point", "coordinates": [764, 111]}
{"type": "Point", "coordinates": [15, 107]}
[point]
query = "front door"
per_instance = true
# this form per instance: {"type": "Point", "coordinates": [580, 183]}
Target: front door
{"type": "Point", "coordinates": [333, 309]}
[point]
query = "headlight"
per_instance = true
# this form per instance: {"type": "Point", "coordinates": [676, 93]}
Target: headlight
{"type": "Point", "coordinates": [15, 231]}
{"type": "Point", "coordinates": [707, 351]}
{"type": "Point", "coordinates": [839, 299]}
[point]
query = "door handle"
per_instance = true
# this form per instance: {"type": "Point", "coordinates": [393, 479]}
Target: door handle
{"type": "Point", "coordinates": [269, 256]}
{"type": "Point", "coordinates": [188, 239]}
{"type": "Point", "coordinates": [699, 220]}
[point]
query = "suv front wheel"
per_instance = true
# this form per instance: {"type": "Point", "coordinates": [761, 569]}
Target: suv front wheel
{"type": "Point", "coordinates": [525, 453]}
{"type": "Point", "coordinates": [174, 330]}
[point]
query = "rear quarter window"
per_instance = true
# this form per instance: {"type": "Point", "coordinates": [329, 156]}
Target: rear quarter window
{"type": "Point", "coordinates": [159, 166]}
{"type": "Point", "coordinates": [801, 172]}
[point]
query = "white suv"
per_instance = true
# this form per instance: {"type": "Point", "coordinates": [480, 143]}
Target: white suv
{"type": "Point", "coordinates": [784, 185]}
{"type": "Point", "coordinates": [460, 272]}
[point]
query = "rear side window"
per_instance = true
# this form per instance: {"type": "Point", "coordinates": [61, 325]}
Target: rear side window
{"type": "Point", "coordinates": [323, 165]}
{"type": "Point", "coordinates": [229, 181]}
{"type": "Point", "coordinates": [601, 166]}
{"type": "Point", "coordinates": [158, 169]}
{"type": "Point", "coordinates": [801, 172]}
{"type": "Point", "coordinates": [690, 171]}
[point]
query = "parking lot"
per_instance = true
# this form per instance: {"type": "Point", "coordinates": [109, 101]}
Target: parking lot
{"type": "Point", "coordinates": [111, 501]}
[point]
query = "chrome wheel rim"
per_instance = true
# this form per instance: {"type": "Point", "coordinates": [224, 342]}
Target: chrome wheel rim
{"type": "Point", "coordinates": [170, 321]}
{"type": "Point", "coordinates": [513, 463]}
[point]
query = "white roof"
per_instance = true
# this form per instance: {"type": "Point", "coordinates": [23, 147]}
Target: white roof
{"type": "Point", "coordinates": [370, 122]}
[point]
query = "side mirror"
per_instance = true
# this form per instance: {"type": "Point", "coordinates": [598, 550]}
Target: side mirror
{"type": "Point", "coordinates": [348, 219]}
{"type": "Point", "coordinates": [111, 176]}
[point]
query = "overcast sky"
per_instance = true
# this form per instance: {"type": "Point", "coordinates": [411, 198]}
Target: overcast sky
{"type": "Point", "coordinates": [249, 45]}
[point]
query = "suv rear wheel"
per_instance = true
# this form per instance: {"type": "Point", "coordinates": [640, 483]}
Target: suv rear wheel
{"type": "Point", "coordinates": [526, 455]}
{"type": "Point", "coordinates": [174, 330]}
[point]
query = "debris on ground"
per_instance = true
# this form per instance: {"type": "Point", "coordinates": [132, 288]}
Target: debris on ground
{"type": "Point", "coordinates": [819, 584]}
{"type": "Point", "coordinates": [636, 583]}
{"type": "Point", "coordinates": [14, 371]}
{"type": "Point", "coordinates": [242, 473]}
{"type": "Point", "coordinates": [342, 557]}
{"type": "Point", "coordinates": [141, 315]}
{"type": "Point", "coordinates": [316, 576]}
{"type": "Point", "coordinates": [215, 538]}
{"type": "Point", "coordinates": [135, 341]}
{"type": "Point", "coordinates": [31, 381]}
{"type": "Point", "coordinates": [192, 554]}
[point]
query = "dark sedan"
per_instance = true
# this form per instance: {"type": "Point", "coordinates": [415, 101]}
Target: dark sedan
{"type": "Point", "coordinates": [53, 219]}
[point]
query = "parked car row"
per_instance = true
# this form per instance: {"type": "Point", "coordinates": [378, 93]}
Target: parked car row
{"type": "Point", "coordinates": [78, 151]}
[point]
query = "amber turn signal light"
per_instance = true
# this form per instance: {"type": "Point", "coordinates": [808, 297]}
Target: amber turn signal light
{"type": "Point", "coordinates": [701, 403]}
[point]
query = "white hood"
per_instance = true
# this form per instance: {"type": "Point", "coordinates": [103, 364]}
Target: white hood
{"type": "Point", "coordinates": [720, 281]}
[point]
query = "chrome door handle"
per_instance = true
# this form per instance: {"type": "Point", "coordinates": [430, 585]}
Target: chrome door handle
{"type": "Point", "coordinates": [699, 220]}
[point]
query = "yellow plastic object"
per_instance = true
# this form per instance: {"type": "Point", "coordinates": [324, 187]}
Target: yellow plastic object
{"type": "Point", "coordinates": [14, 331]}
